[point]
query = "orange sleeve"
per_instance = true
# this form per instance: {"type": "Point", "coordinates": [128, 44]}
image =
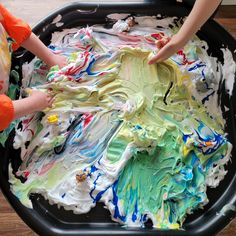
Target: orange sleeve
{"type": "Point", "coordinates": [16, 28]}
{"type": "Point", "coordinates": [6, 111]}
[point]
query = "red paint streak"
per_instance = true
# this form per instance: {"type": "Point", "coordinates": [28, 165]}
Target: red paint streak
{"type": "Point", "coordinates": [31, 131]}
{"type": "Point", "coordinates": [27, 121]}
{"type": "Point", "coordinates": [87, 47]}
{"type": "Point", "coordinates": [26, 174]}
{"type": "Point", "coordinates": [41, 72]}
{"type": "Point", "coordinates": [87, 118]}
{"type": "Point", "coordinates": [78, 80]}
{"type": "Point", "coordinates": [74, 70]}
{"type": "Point", "coordinates": [87, 33]}
{"type": "Point", "coordinates": [78, 45]}
{"type": "Point", "coordinates": [43, 67]}
{"type": "Point", "coordinates": [149, 40]}
{"type": "Point", "coordinates": [185, 61]}
{"type": "Point", "coordinates": [158, 35]}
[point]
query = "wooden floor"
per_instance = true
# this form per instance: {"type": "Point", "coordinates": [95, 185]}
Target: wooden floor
{"type": "Point", "coordinates": [32, 11]}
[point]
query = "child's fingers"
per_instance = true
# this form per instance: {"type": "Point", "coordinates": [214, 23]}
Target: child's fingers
{"type": "Point", "coordinates": [162, 42]}
{"type": "Point", "coordinates": [159, 44]}
{"type": "Point", "coordinates": [50, 99]}
{"type": "Point", "coordinates": [154, 59]}
{"type": "Point", "coordinates": [167, 51]}
{"type": "Point", "coordinates": [164, 52]}
{"type": "Point", "coordinates": [51, 95]}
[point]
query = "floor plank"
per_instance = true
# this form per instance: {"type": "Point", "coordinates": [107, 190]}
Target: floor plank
{"type": "Point", "coordinates": [4, 206]}
{"type": "Point", "coordinates": [228, 11]}
{"type": "Point", "coordinates": [10, 223]}
{"type": "Point", "coordinates": [32, 11]}
{"type": "Point", "coordinates": [16, 227]}
{"type": "Point", "coordinates": [229, 24]}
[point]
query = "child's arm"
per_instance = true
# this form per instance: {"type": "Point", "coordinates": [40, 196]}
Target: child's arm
{"type": "Point", "coordinates": [35, 46]}
{"type": "Point", "coordinates": [23, 36]}
{"type": "Point", "coordinates": [201, 11]}
{"type": "Point", "coordinates": [10, 110]}
{"type": "Point", "coordinates": [37, 101]}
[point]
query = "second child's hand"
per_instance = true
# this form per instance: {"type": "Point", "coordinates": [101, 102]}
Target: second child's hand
{"type": "Point", "coordinates": [201, 11]}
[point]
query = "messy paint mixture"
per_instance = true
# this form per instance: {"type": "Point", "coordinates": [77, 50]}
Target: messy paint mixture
{"type": "Point", "coordinates": [146, 140]}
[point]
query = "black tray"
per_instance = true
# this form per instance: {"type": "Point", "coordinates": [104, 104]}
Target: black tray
{"type": "Point", "coordinates": [49, 220]}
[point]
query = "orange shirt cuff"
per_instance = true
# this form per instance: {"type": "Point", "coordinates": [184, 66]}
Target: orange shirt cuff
{"type": "Point", "coordinates": [15, 27]}
{"type": "Point", "coordinates": [6, 112]}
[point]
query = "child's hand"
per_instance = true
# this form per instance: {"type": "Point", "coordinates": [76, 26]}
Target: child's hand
{"type": "Point", "coordinates": [56, 59]}
{"type": "Point", "coordinates": [41, 100]}
{"type": "Point", "coordinates": [201, 11]}
{"type": "Point", "coordinates": [34, 45]}
{"type": "Point", "coordinates": [167, 48]}
{"type": "Point", "coordinates": [37, 101]}
{"type": "Point", "coordinates": [162, 42]}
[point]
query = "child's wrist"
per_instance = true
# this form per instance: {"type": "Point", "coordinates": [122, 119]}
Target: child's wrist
{"type": "Point", "coordinates": [49, 59]}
